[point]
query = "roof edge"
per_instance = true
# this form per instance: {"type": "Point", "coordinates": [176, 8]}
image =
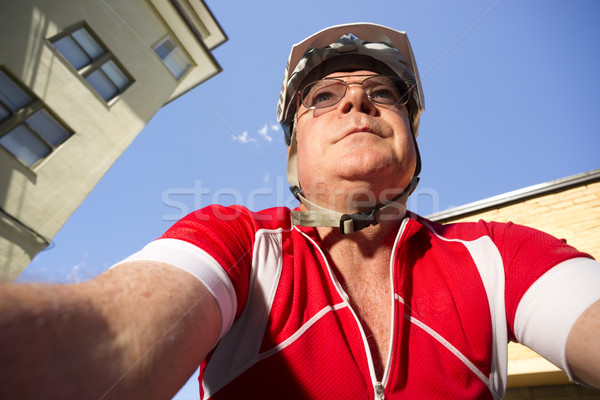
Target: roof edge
{"type": "Point", "coordinates": [516, 196]}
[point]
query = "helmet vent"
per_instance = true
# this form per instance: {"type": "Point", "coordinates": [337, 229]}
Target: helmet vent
{"type": "Point", "coordinates": [346, 48]}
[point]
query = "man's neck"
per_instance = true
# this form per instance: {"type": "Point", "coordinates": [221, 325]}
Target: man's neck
{"type": "Point", "coordinates": [366, 243]}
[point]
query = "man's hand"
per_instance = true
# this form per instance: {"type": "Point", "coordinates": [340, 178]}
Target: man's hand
{"type": "Point", "coordinates": [137, 331]}
{"type": "Point", "coordinates": [583, 346]}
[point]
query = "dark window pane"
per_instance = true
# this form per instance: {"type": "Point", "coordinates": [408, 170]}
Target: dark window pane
{"type": "Point", "coordinates": [25, 145]}
{"type": "Point", "coordinates": [115, 74]}
{"type": "Point", "coordinates": [164, 48]}
{"type": "Point", "coordinates": [45, 126]}
{"type": "Point", "coordinates": [11, 95]}
{"type": "Point", "coordinates": [102, 84]}
{"type": "Point", "coordinates": [173, 57]}
{"type": "Point", "coordinates": [85, 40]}
{"type": "Point", "coordinates": [73, 53]}
{"type": "Point", "coordinates": [4, 113]}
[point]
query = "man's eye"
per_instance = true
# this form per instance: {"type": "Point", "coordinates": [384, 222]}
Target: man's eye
{"type": "Point", "coordinates": [384, 94]}
{"type": "Point", "coordinates": [321, 97]}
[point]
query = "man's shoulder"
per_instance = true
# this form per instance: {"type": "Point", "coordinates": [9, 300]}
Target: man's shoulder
{"type": "Point", "coordinates": [507, 236]}
{"type": "Point", "coordinates": [237, 216]}
{"type": "Point", "coordinates": [468, 230]}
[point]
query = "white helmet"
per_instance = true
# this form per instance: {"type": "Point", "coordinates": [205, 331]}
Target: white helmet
{"type": "Point", "coordinates": [337, 48]}
{"type": "Point", "coordinates": [350, 46]}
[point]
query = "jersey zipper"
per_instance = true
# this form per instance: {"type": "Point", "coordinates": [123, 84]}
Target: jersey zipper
{"type": "Point", "coordinates": [378, 386]}
{"type": "Point", "coordinates": [379, 394]}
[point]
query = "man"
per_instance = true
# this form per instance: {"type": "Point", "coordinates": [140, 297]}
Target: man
{"type": "Point", "coordinates": [349, 296]}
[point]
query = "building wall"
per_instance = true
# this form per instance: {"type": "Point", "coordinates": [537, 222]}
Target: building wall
{"type": "Point", "coordinates": [37, 200]}
{"type": "Point", "coordinates": [572, 214]}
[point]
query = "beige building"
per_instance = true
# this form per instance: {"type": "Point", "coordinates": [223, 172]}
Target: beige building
{"type": "Point", "coordinates": [78, 82]}
{"type": "Point", "coordinates": [568, 208]}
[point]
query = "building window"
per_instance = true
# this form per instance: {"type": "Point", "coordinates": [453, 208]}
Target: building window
{"type": "Point", "coordinates": [27, 129]}
{"type": "Point", "coordinates": [93, 61]}
{"type": "Point", "coordinates": [173, 57]}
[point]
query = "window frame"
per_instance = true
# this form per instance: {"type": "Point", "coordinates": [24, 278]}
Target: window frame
{"type": "Point", "coordinates": [177, 47]}
{"type": "Point", "coordinates": [19, 117]}
{"type": "Point", "coordinates": [96, 63]}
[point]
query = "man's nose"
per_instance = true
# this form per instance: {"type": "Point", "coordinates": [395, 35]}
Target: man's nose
{"type": "Point", "coordinates": [356, 99]}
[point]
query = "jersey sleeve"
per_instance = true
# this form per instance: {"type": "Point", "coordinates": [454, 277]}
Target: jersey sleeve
{"type": "Point", "coordinates": [215, 245]}
{"type": "Point", "coordinates": [226, 234]}
{"type": "Point", "coordinates": [548, 284]}
{"type": "Point", "coordinates": [552, 305]}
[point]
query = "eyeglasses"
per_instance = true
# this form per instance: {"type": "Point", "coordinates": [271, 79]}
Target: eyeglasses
{"type": "Point", "coordinates": [382, 90]}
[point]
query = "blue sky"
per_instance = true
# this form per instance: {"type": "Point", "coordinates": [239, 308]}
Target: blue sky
{"type": "Point", "coordinates": [511, 91]}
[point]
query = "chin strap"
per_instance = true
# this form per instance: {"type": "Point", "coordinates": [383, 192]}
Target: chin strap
{"type": "Point", "coordinates": [348, 223]}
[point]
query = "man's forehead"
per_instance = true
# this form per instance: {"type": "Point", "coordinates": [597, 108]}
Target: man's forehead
{"type": "Point", "coordinates": [350, 73]}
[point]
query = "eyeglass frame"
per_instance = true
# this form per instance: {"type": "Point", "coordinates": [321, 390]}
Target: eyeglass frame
{"type": "Point", "coordinates": [408, 94]}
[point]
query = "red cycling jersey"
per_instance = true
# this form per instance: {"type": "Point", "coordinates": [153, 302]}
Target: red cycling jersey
{"type": "Point", "coordinates": [290, 332]}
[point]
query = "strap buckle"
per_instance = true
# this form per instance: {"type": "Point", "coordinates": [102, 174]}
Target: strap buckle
{"type": "Point", "coordinates": [350, 223]}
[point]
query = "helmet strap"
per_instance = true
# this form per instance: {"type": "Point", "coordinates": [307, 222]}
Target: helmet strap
{"type": "Point", "coordinates": [292, 164]}
{"type": "Point", "coordinates": [349, 223]}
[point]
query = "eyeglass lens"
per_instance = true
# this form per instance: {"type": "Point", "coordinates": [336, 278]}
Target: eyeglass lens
{"type": "Point", "coordinates": [329, 91]}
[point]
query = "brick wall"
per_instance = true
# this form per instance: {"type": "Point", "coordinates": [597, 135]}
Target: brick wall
{"type": "Point", "coordinates": [572, 214]}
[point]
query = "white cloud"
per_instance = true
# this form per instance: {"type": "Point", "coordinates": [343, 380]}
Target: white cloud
{"type": "Point", "coordinates": [264, 133]}
{"type": "Point", "coordinates": [244, 138]}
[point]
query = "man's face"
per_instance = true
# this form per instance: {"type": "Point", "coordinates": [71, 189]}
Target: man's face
{"type": "Point", "coordinates": [354, 143]}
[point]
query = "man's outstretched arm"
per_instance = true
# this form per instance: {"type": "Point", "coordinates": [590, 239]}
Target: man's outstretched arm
{"type": "Point", "coordinates": [137, 331]}
{"type": "Point", "coordinates": [583, 346]}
